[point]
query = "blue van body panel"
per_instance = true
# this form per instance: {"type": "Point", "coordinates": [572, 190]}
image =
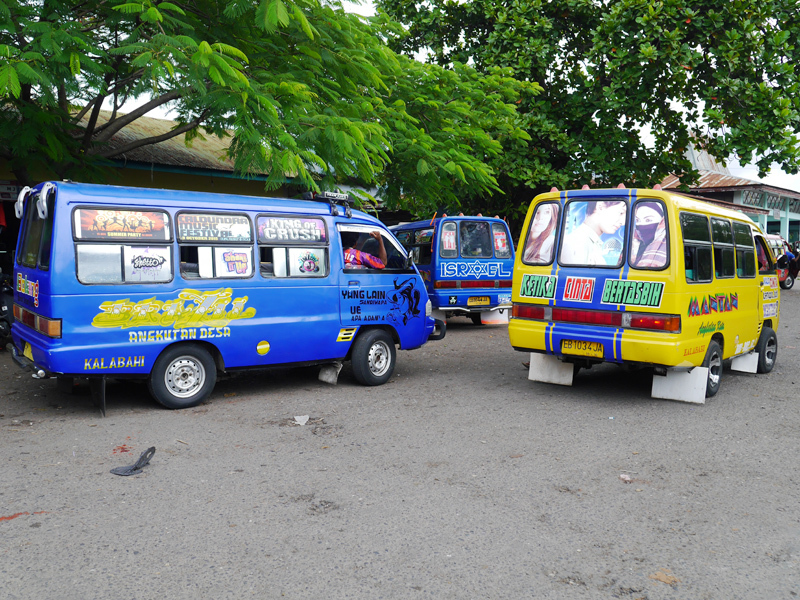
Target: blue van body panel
{"type": "Point", "coordinates": [463, 269]}
{"type": "Point", "coordinates": [122, 328]}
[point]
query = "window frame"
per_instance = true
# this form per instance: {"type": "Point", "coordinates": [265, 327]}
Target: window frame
{"type": "Point", "coordinates": [696, 245]}
{"type": "Point", "coordinates": [168, 243]}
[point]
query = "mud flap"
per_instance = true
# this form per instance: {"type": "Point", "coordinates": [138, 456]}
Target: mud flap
{"type": "Point", "coordinates": [681, 385]}
{"type": "Point", "coordinates": [98, 388]}
{"type": "Point", "coordinates": [548, 369]}
{"type": "Point", "coordinates": [747, 363]}
{"type": "Point", "coordinates": [495, 317]}
{"type": "Point", "coordinates": [330, 373]}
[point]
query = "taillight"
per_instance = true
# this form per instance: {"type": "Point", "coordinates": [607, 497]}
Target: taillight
{"type": "Point", "coordinates": [668, 323]}
{"type": "Point", "coordinates": [657, 322]}
{"type": "Point", "coordinates": [505, 283]}
{"type": "Point", "coordinates": [49, 327]}
{"type": "Point", "coordinates": [527, 311]}
{"type": "Point", "coordinates": [445, 284]}
{"type": "Point", "coordinates": [588, 317]}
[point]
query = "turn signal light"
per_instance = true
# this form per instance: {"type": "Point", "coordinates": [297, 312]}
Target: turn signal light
{"type": "Point", "coordinates": [49, 327]}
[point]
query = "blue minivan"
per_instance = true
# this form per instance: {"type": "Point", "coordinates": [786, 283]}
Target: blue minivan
{"type": "Point", "coordinates": [176, 286]}
{"type": "Point", "coordinates": [467, 263]}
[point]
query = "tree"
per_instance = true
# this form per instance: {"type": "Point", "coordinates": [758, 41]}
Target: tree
{"type": "Point", "coordinates": [302, 88]}
{"type": "Point", "coordinates": [718, 74]}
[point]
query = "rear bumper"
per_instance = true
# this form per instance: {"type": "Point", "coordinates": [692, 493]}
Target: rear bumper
{"type": "Point", "coordinates": [439, 331]}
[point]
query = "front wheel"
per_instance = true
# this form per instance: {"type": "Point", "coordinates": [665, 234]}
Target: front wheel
{"type": "Point", "coordinates": [183, 376]}
{"type": "Point", "coordinates": [373, 357]}
{"type": "Point", "coordinates": [767, 348]}
{"type": "Point", "coordinates": [713, 361]}
{"type": "Point", "coordinates": [788, 282]}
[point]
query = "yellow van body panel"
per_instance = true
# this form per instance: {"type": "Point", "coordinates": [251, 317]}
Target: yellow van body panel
{"type": "Point", "coordinates": [731, 310]}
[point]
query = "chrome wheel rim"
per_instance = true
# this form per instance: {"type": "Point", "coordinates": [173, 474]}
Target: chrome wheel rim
{"type": "Point", "coordinates": [379, 359]}
{"type": "Point", "coordinates": [185, 376]}
{"type": "Point", "coordinates": [714, 369]}
{"type": "Point", "coordinates": [770, 351]}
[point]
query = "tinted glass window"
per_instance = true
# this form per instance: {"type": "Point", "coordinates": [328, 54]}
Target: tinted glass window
{"type": "Point", "coordinates": [742, 234]}
{"type": "Point", "coordinates": [695, 227]}
{"type": "Point", "coordinates": [476, 240]}
{"type": "Point", "coordinates": [724, 262]}
{"type": "Point", "coordinates": [721, 231]}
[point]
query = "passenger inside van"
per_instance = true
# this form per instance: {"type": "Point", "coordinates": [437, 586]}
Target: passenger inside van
{"type": "Point", "coordinates": [359, 257]}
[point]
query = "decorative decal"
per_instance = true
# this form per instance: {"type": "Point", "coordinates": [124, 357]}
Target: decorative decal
{"type": "Point", "coordinates": [745, 346]}
{"type": "Point", "coordinates": [771, 309]}
{"type": "Point", "coordinates": [213, 228]}
{"type": "Point", "coordinates": [633, 293]}
{"type": "Point", "coordinates": [710, 327]}
{"type": "Point", "coordinates": [770, 294]}
{"type": "Point", "coordinates": [713, 304]}
{"type": "Point", "coordinates": [477, 269]}
{"type": "Point", "coordinates": [405, 301]}
{"type": "Point", "coordinates": [236, 261]}
{"type": "Point", "coordinates": [538, 286]}
{"type": "Point", "coordinates": [771, 281]}
{"type": "Point", "coordinates": [309, 263]}
{"type": "Point", "coordinates": [211, 311]}
{"type": "Point", "coordinates": [695, 350]}
{"type": "Point", "coordinates": [28, 287]}
{"type": "Point", "coordinates": [91, 224]}
{"type": "Point", "coordinates": [120, 362]}
{"type": "Point", "coordinates": [346, 334]}
{"type": "Point", "coordinates": [285, 230]}
{"type": "Point", "coordinates": [147, 263]}
{"type": "Point", "coordinates": [579, 289]}
{"type": "Point", "coordinates": [262, 348]}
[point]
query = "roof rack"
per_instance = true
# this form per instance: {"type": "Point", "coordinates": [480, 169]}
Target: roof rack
{"type": "Point", "coordinates": [334, 199]}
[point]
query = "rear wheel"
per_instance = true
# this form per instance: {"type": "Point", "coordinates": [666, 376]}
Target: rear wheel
{"type": "Point", "coordinates": [183, 376]}
{"type": "Point", "coordinates": [767, 348]}
{"type": "Point", "coordinates": [713, 361]}
{"type": "Point", "coordinates": [788, 282]}
{"type": "Point", "coordinates": [373, 357]}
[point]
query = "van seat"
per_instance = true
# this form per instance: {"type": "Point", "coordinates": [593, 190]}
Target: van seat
{"type": "Point", "coordinates": [267, 269]}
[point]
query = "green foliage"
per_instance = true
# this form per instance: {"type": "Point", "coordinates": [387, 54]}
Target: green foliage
{"type": "Point", "coordinates": [717, 73]}
{"type": "Point", "coordinates": [301, 88]}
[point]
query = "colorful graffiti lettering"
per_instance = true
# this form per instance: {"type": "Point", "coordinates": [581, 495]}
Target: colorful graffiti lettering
{"type": "Point", "coordinates": [309, 263]}
{"type": "Point", "coordinates": [28, 287]}
{"type": "Point", "coordinates": [713, 304]}
{"type": "Point", "coordinates": [191, 308]}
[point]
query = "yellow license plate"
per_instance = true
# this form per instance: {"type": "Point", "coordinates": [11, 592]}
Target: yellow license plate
{"type": "Point", "coordinates": [27, 353]}
{"type": "Point", "coordinates": [479, 301]}
{"type": "Point", "coordinates": [581, 348]}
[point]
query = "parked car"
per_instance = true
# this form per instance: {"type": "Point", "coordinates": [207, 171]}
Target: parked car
{"type": "Point", "coordinates": [780, 247]}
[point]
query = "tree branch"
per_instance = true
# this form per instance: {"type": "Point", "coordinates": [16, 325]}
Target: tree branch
{"type": "Point", "coordinates": [112, 128]}
{"type": "Point", "coordinates": [155, 139]}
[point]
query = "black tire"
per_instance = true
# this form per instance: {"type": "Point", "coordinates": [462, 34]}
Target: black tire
{"type": "Point", "coordinates": [476, 318]}
{"type": "Point", "coordinates": [767, 348]}
{"type": "Point", "coordinates": [788, 282]}
{"type": "Point", "coordinates": [373, 357]}
{"type": "Point", "coordinates": [713, 361]}
{"type": "Point", "coordinates": [183, 376]}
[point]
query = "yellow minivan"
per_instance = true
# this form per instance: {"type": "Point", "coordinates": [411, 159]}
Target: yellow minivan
{"type": "Point", "coordinates": [648, 278]}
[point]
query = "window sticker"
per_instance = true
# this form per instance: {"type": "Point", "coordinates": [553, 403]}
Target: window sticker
{"type": "Point", "coordinates": [307, 262]}
{"type": "Point", "coordinates": [594, 233]}
{"type": "Point", "coordinates": [200, 227]}
{"type": "Point", "coordinates": [538, 286]}
{"type": "Point", "coordinates": [633, 293]}
{"type": "Point", "coordinates": [449, 239]}
{"type": "Point", "coordinates": [502, 248]}
{"type": "Point", "coordinates": [147, 263]}
{"type": "Point", "coordinates": [649, 244]}
{"type": "Point", "coordinates": [286, 230]}
{"type": "Point", "coordinates": [92, 224]}
{"type": "Point", "coordinates": [542, 235]}
{"type": "Point", "coordinates": [233, 262]}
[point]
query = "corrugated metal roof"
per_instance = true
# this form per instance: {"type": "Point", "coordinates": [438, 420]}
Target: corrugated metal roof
{"type": "Point", "coordinates": [711, 181]}
{"type": "Point", "coordinates": [209, 153]}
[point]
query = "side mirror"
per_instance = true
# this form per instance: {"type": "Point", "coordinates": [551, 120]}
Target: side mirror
{"type": "Point", "coordinates": [782, 262]}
